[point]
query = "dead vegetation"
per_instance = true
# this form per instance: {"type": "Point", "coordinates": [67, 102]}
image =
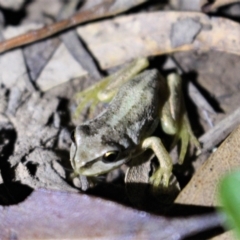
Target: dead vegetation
{"type": "Point", "coordinates": [199, 39]}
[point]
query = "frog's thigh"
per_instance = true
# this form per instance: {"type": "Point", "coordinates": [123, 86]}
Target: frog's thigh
{"type": "Point", "coordinates": [168, 124]}
{"type": "Point", "coordinates": [162, 175]}
{"type": "Point", "coordinates": [174, 116]}
{"type": "Point", "coordinates": [172, 109]}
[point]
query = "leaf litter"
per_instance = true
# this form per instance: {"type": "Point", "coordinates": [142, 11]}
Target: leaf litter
{"type": "Point", "coordinates": [36, 106]}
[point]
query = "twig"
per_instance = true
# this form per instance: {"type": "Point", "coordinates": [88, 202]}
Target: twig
{"type": "Point", "coordinates": [219, 132]}
{"type": "Point", "coordinates": [75, 47]}
{"type": "Point", "coordinates": [104, 9]}
{"type": "Point", "coordinates": [216, 135]}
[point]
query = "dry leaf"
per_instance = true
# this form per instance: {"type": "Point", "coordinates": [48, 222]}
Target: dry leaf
{"type": "Point", "coordinates": [213, 5]}
{"type": "Point", "coordinates": [202, 189]}
{"type": "Point", "coordinates": [121, 39]}
{"type": "Point", "coordinates": [91, 10]}
{"type": "Point", "coordinates": [54, 215]}
{"type": "Point", "coordinates": [185, 5]}
{"type": "Point", "coordinates": [61, 68]}
{"type": "Point", "coordinates": [225, 236]}
{"type": "Point", "coordinates": [12, 4]}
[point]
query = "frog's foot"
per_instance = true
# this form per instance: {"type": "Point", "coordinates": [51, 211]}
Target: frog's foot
{"type": "Point", "coordinates": [162, 175]}
{"type": "Point", "coordinates": [186, 136]}
{"type": "Point", "coordinates": [160, 178]}
{"type": "Point", "coordinates": [164, 194]}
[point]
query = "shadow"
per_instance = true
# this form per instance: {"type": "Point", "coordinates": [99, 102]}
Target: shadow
{"type": "Point", "coordinates": [192, 76]}
{"type": "Point", "coordinates": [13, 193]}
{"type": "Point", "coordinates": [152, 4]}
{"type": "Point", "coordinates": [63, 110]}
{"type": "Point", "coordinates": [151, 205]}
{"type": "Point", "coordinates": [208, 234]}
{"type": "Point", "coordinates": [7, 139]}
{"type": "Point", "coordinates": [224, 11]}
{"type": "Point", "coordinates": [15, 17]}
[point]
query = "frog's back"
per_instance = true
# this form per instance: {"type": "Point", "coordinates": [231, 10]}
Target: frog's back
{"type": "Point", "coordinates": [136, 98]}
{"type": "Point", "coordinates": [134, 111]}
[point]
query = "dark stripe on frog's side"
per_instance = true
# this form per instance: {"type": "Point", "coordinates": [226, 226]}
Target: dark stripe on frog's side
{"type": "Point", "coordinates": [107, 140]}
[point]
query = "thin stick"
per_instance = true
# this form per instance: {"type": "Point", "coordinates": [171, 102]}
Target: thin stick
{"type": "Point", "coordinates": [104, 9]}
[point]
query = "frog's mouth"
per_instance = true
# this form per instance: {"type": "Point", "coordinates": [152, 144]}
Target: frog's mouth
{"type": "Point", "coordinates": [97, 167]}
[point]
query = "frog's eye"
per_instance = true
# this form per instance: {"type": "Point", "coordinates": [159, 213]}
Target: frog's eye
{"type": "Point", "coordinates": [73, 136]}
{"type": "Point", "coordinates": [110, 156]}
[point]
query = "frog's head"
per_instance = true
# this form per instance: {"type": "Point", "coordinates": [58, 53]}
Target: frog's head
{"type": "Point", "coordinates": [92, 155]}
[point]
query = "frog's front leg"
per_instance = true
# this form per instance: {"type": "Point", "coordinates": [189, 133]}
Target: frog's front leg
{"type": "Point", "coordinates": [174, 118]}
{"type": "Point", "coordinates": [162, 175]}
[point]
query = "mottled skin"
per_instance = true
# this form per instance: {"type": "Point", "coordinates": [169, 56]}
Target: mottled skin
{"type": "Point", "coordinates": [124, 130]}
{"type": "Point", "coordinates": [130, 117]}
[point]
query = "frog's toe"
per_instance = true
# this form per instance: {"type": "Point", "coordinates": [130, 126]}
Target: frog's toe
{"type": "Point", "coordinates": [86, 100]}
{"type": "Point", "coordinates": [166, 195]}
{"type": "Point", "coordinates": [187, 136]}
{"type": "Point", "coordinates": [160, 179]}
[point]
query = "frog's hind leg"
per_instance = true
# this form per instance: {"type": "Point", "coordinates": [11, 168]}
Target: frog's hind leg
{"type": "Point", "coordinates": [184, 131]}
{"type": "Point", "coordinates": [186, 136]}
{"type": "Point", "coordinates": [174, 118]}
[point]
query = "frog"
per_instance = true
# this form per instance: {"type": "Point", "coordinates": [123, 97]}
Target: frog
{"type": "Point", "coordinates": [139, 101]}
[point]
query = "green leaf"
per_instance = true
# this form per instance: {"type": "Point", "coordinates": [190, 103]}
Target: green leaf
{"type": "Point", "coordinates": [229, 192]}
